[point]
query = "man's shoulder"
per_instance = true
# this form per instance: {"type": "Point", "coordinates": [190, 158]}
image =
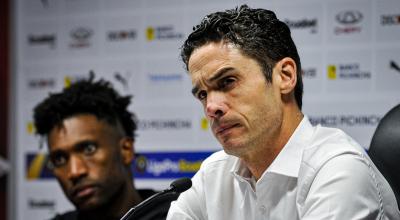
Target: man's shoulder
{"type": "Point", "coordinates": [70, 215]}
{"type": "Point", "coordinates": [329, 146]}
{"type": "Point", "coordinates": [328, 143]}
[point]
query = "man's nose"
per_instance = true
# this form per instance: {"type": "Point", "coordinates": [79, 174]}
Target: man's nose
{"type": "Point", "coordinates": [216, 105]}
{"type": "Point", "coordinates": [77, 168]}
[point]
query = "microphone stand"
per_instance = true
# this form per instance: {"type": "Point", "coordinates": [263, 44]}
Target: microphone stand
{"type": "Point", "coordinates": [178, 186]}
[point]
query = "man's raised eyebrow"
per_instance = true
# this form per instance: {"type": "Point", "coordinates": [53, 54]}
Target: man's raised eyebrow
{"type": "Point", "coordinates": [80, 145]}
{"type": "Point", "coordinates": [56, 152]}
{"type": "Point", "coordinates": [219, 74]}
{"type": "Point", "coordinates": [77, 146]}
{"type": "Point", "coordinates": [216, 76]}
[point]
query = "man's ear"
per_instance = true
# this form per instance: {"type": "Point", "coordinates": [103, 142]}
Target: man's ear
{"type": "Point", "coordinates": [127, 150]}
{"type": "Point", "coordinates": [288, 75]}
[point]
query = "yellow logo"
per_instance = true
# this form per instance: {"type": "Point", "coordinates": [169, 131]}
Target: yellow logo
{"type": "Point", "coordinates": [150, 33]}
{"type": "Point", "coordinates": [204, 124]}
{"type": "Point", "coordinates": [71, 79]}
{"type": "Point", "coordinates": [67, 81]}
{"type": "Point", "coordinates": [36, 166]}
{"type": "Point", "coordinates": [141, 163]}
{"type": "Point", "coordinates": [30, 128]}
{"type": "Point", "coordinates": [331, 72]}
{"type": "Point", "coordinates": [189, 166]}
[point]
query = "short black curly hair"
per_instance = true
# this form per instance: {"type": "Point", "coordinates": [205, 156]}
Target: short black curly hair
{"type": "Point", "coordinates": [258, 33]}
{"type": "Point", "coordinates": [85, 96]}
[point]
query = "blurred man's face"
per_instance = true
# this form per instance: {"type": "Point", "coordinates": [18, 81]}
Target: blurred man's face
{"type": "Point", "coordinates": [88, 161]}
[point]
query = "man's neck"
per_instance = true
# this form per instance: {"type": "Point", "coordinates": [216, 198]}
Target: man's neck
{"type": "Point", "coordinates": [259, 160]}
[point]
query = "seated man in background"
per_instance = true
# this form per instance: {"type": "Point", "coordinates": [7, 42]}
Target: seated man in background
{"type": "Point", "coordinates": [90, 135]}
{"type": "Point", "coordinates": [246, 72]}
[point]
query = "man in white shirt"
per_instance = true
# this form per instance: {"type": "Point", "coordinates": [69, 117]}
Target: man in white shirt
{"type": "Point", "coordinates": [246, 72]}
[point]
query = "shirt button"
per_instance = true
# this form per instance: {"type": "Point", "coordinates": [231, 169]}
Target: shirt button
{"type": "Point", "coordinates": [263, 209]}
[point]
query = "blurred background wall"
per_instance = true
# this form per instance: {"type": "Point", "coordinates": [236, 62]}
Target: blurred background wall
{"type": "Point", "coordinates": [350, 52]}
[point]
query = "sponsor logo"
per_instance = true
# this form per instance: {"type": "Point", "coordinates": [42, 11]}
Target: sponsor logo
{"type": "Point", "coordinates": [80, 37]}
{"type": "Point", "coordinates": [305, 23]}
{"type": "Point", "coordinates": [36, 167]}
{"type": "Point", "coordinates": [41, 83]}
{"type": "Point", "coordinates": [168, 165]}
{"type": "Point", "coordinates": [390, 19]}
{"type": "Point", "coordinates": [349, 17]}
{"type": "Point", "coordinates": [310, 73]}
{"type": "Point", "coordinates": [331, 72]}
{"type": "Point", "coordinates": [156, 77]}
{"type": "Point", "coordinates": [30, 128]}
{"type": "Point", "coordinates": [41, 204]}
{"type": "Point", "coordinates": [204, 124]}
{"type": "Point", "coordinates": [43, 39]}
{"type": "Point", "coordinates": [345, 120]}
{"type": "Point", "coordinates": [166, 32]}
{"type": "Point", "coordinates": [348, 21]}
{"type": "Point", "coordinates": [150, 33]}
{"type": "Point", "coordinates": [393, 65]}
{"type": "Point", "coordinates": [160, 124]}
{"type": "Point", "coordinates": [121, 35]}
{"type": "Point", "coordinates": [347, 72]}
{"type": "Point", "coordinates": [69, 80]}
{"type": "Point", "coordinates": [145, 165]}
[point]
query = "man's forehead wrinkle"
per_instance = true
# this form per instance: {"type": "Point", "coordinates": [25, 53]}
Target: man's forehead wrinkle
{"type": "Point", "coordinates": [208, 63]}
{"type": "Point", "coordinates": [210, 71]}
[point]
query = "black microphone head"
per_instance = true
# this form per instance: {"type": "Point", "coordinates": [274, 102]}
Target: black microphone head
{"type": "Point", "coordinates": [181, 185]}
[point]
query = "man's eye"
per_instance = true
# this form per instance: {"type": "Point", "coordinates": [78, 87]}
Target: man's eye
{"type": "Point", "coordinates": [58, 161]}
{"type": "Point", "coordinates": [226, 82]}
{"type": "Point", "coordinates": [202, 95]}
{"type": "Point", "coordinates": [89, 149]}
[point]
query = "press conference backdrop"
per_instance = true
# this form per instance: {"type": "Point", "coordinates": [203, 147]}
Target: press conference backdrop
{"type": "Point", "coordinates": [350, 53]}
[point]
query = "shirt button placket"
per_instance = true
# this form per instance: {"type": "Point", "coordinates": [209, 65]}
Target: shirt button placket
{"type": "Point", "coordinates": [262, 209]}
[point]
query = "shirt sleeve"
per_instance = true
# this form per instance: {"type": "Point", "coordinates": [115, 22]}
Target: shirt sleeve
{"type": "Point", "coordinates": [346, 187]}
{"type": "Point", "coordinates": [190, 205]}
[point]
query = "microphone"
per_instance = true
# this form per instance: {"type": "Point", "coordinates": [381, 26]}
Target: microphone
{"type": "Point", "coordinates": [177, 186]}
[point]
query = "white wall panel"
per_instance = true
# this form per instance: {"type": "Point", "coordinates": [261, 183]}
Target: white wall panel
{"type": "Point", "coordinates": [350, 57]}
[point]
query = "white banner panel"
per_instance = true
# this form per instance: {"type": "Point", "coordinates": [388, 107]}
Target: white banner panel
{"type": "Point", "coordinates": [350, 52]}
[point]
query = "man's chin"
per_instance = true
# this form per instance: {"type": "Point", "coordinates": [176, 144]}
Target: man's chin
{"type": "Point", "coordinates": [234, 149]}
{"type": "Point", "coordinates": [88, 205]}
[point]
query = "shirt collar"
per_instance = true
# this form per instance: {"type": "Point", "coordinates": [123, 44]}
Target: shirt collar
{"type": "Point", "coordinates": [289, 159]}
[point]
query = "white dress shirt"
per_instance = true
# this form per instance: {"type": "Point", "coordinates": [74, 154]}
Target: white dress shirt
{"type": "Point", "coordinates": [321, 173]}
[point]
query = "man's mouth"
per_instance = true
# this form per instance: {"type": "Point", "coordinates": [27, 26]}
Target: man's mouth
{"type": "Point", "coordinates": [222, 129]}
{"type": "Point", "coordinates": [83, 191]}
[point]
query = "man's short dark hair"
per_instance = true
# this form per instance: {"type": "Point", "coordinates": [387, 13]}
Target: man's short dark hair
{"type": "Point", "coordinates": [87, 96]}
{"type": "Point", "coordinates": [256, 32]}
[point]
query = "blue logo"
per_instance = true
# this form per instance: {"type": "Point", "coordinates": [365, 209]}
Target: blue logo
{"type": "Point", "coordinates": [168, 165]}
{"type": "Point", "coordinates": [146, 165]}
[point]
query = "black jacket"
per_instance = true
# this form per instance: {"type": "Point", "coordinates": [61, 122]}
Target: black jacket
{"type": "Point", "coordinates": [157, 210]}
